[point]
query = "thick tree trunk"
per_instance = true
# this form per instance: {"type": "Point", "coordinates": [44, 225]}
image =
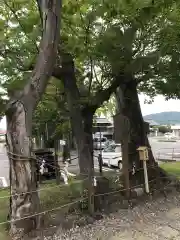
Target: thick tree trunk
{"type": "Point", "coordinates": [128, 105]}
{"type": "Point", "coordinates": [79, 124]}
{"type": "Point", "coordinates": [23, 182]}
{"type": "Point", "coordinates": [87, 148]}
{"type": "Point", "coordinates": [24, 201]}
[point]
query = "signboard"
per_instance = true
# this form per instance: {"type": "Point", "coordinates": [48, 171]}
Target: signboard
{"type": "Point", "coordinates": [121, 128]}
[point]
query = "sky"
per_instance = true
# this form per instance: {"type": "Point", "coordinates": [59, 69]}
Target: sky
{"type": "Point", "coordinates": [159, 105]}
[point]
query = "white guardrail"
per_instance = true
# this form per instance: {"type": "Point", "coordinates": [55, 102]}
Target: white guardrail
{"type": "Point", "coordinates": [167, 154]}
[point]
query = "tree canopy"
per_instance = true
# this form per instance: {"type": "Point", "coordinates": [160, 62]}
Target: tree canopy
{"type": "Point", "coordinates": [135, 38]}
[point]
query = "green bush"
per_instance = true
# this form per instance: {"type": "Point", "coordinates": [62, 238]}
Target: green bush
{"type": "Point", "coordinates": [164, 129]}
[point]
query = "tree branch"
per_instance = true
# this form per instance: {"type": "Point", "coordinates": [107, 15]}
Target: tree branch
{"type": "Point", "coordinates": [39, 3]}
{"type": "Point", "coordinates": [47, 54]}
{"type": "Point", "coordinates": [104, 95]}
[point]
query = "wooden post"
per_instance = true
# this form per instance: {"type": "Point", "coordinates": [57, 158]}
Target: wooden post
{"type": "Point", "coordinates": [125, 163]}
{"type": "Point", "coordinates": [146, 177]}
{"type": "Point", "coordinates": [90, 193]}
{"type": "Point", "coordinates": [144, 156]}
{"type": "Point", "coordinates": [47, 134]}
{"type": "Point", "coordinates": [100, 141]}
{"type": "Point", "coordinates": [38, 172]}
{"type": "Point", "coordinates": [91, 188]}
{"type": "Point", "coordinates": [56, 164]}
{"type": "Point", "coordinates": [100, 163]}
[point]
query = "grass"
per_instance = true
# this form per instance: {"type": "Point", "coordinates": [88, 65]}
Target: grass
{"type": "Point", "coordinates": [172, 168]}
{"type": "Point", "coordinates": [4, 205]}
{"type": "Point", "coordinates": [51, 196]}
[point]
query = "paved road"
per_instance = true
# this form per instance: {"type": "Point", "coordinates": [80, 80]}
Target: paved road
{"type": "Point", "coordinates": [162, 150]}
{"type": "Point", "coordinates": [165, 150]}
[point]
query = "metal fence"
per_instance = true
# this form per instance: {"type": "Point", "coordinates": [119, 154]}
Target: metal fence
{"type": "Point", "coordinates": [168, 154]}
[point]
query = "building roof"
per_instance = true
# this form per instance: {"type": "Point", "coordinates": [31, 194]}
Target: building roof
{"type": "Point", "coordinates": [101, 120]}
{"type": "Point", "coordinates": [175, 127]}
{"type": "Point", "coordinates": [151, 122]}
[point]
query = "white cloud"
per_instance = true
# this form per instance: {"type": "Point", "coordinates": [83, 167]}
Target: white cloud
{"type": "Point", "coordinates": [159, 105]}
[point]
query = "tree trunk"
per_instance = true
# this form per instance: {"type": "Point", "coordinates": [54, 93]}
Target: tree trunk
{"type": "Point", "coordinates": [79, 124]}
{"type": "Point", "coordinates": [88, 144]}
{"type": "Point", "coordinates": [24, 201]}
{"type": "Point", "coordinates": [23, 181]}
{"type": "Point", "coordinates": [128, 105]}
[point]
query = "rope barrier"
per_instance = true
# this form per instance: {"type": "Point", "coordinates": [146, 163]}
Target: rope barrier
{"type": "Point", "coordinates": [60, 186]}
{"type": "Point", "coordinates": [125, 189]}
{"type": "Point", "coordinates": [39, 190]}
{"type": "Point", "coordinates": [77, 201]}
{"type": "Point", "coordinates": [44, 212]}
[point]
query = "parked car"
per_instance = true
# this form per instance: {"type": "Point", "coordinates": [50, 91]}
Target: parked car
{"type": "Point", "coordinates": [99, 143]}
{"type": "Point", "coordinates": [112, 156]}
{"type": "Point", "coordinates": [170, 136]}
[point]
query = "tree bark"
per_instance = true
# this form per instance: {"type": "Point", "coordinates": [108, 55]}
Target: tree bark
{"type": "Point", "coordinates": [79, 124]}
{"type": "Point", "coordinates": [23, 182]}
{"type": "Point", "coordinates": [128, 104]}
{"type": "Point", "coordinates": [24, 201]}
{"type": "Point", "coordinates": [88, 144]}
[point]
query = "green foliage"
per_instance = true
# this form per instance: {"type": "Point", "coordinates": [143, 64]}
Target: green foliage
{"type": "Point", "coordinates": [138, 38]}
{"type": "Point", "coordinates": [18, 44]}
{"type": "Point", "coordinates": [108, 109]}
{"type": "Point", "coordinates": [51, 113]}
{"type": "Point", "coordinates": [164, 129]}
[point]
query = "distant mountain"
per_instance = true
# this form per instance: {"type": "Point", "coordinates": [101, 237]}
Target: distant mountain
{"type": "Point", "coordinates": [164, 117]}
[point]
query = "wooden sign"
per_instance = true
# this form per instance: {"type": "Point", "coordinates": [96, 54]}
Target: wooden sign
{"type": "Point", "coordinates": [121, 128]}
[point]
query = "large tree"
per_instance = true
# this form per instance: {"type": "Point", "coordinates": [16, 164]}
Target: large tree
{"type": "Point", "coordinates": [24, 200]}
{"type": "Point", "coordinates": [105, 45]}
{"type": "Point", "coordinates": [132, 56]}
{"type": "Point", "coordinates": [113, 48]}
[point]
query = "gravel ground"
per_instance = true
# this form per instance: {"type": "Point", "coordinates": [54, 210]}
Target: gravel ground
{"type": "Point", "coordinates": [155, 219]}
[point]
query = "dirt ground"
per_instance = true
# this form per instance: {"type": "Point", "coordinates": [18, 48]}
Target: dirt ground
{"type": "Point", "coordinates": [158, 218]}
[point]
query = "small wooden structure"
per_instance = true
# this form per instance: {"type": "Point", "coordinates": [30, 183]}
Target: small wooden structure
{"type": "Point", "coordinates": [143, 156]}
{"type": "Point", "coordinates": [143, 153]}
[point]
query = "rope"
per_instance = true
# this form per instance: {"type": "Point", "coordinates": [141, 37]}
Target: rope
{"type": "Point", "coordinates": [44, 212]}
{"type": "Point", "coordinates": [38, 190]}
{"type": "Point", "coordinates": [77, 201]}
